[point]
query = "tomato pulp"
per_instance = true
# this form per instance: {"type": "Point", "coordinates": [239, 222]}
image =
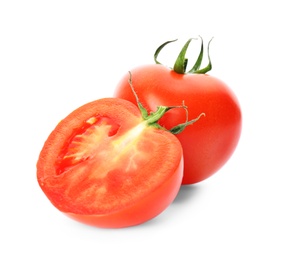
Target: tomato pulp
{"type": "Point", "coordinates": [103, 165]}
{"type": "Point", "coordinates": [208, 144]}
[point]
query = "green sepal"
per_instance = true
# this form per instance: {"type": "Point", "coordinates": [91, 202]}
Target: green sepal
{"type": "Point", "coordinates": [209, 66]}
{"type": "Point", "coordinates": [199, 59]}
{"type": "Point", "coordinates": [159, 49]}
{"type": "Point", "coordinates": [142, 109]}
{"type": "Point", "coordinates": [181, 63]}
{"type": "Point", "coordinates": [155, 116]}
{"type": "Point", "coordinates": [179, 128]}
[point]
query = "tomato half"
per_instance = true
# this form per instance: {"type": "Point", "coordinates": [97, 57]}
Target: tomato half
{"type": "Point", "coordinates": [103, 165]}
{"type": "Point", "coordinates": [208, 144]}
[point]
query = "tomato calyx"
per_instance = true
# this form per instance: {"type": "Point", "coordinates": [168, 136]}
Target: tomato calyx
{"type": "Point", "coordinates": [152, 118]}
{"type": "Point", "coordinates": [181, 62]}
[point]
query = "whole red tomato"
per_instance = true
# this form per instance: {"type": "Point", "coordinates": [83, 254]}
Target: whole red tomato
{"type": "Point", "coordinates": [106, 164]}
{"type": "Point", "coordinates": [208, 144]}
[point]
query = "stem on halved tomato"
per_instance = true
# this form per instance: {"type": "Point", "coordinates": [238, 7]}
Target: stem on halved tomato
{"type": "Point", "coordinates": [153, 117]}
{"type": "Point", "coordinates": [181, 62]}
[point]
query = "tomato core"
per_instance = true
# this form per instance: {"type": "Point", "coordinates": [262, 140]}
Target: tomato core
{"type": "Point", "coordinates": [84, 142]}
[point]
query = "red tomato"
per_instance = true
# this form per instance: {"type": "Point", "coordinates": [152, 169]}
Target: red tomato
{"type": "Point", "coordinates": [104, 165]}
{"type": "Point", "coordinates": [208, 144]}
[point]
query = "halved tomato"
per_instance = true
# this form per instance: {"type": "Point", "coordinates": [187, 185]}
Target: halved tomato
{"type": "Point", "coordinates": [105, 165]}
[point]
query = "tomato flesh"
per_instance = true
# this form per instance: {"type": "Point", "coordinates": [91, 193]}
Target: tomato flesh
{"type": "Point", "coordinates": [103, 165]}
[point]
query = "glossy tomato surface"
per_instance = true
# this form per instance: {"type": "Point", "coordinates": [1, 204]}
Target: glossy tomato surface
{"type": "Point", "coordinates": [210, 142]}
{"type": "Point", "coordinates": [104, 166]}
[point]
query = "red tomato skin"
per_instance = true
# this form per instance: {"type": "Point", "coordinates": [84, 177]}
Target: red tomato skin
{"type": "Point", "coordinates": [208, 143]}
{"type": "Point", "coordinates": [127, 115]}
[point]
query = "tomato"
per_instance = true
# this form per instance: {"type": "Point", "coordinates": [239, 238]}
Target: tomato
{"type": "Point", "coordinates": [207, 145]}
{"type": "Point", "coordinates": [105, 165]}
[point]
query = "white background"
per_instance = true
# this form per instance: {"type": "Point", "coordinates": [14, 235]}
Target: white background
{"type": "Point", "coordinates": [58, 55]}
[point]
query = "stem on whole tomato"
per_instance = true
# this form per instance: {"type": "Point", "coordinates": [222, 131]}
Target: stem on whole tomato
{"type": "Point", "coordinates": [181, 62]}
{"type": "Point", "coordinates": [153, 117]}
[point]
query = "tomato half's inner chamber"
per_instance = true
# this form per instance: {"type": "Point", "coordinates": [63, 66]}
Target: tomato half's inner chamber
{"type": "Point", "coordinates": [100, 169]}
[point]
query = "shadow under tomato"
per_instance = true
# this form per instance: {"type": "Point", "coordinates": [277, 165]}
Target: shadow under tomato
{"type": "Point", "coordinates": [185, 196]}
{"type": "Point", "coordinates": [186, 193]}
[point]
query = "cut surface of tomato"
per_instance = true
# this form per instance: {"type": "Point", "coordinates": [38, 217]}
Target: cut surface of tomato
{"type": "Point", "coordinates": [103, 165]}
